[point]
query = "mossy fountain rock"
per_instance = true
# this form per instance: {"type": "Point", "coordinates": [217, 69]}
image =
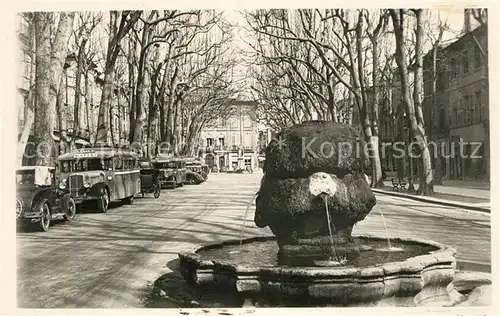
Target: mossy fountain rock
{"type": "Point", "coordinates": [313, 146]}
{"type": "Point", "coordinates": [291, 201]}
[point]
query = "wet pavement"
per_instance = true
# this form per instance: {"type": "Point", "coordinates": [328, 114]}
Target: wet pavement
{"type": "Point", "coordinates": [111, 260]}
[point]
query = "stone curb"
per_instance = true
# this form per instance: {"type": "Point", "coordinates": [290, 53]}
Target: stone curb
{"type": "Point", "coordinates": [426, 199]}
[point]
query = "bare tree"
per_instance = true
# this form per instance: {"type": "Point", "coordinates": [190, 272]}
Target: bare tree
{"type": "Point", "coordinates": [29, 104]}
{"type": "Point", "coordinates": [413, 108]}
{"type": "Point", "coordinates": [50, 58]}
{"type": "Point", "coordinates": [348, 52]}
{"type": "Point", "coordinates": [119, 27]}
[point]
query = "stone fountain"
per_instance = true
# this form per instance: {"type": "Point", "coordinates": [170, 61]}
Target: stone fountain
{"type": "Point", "coordinates": [312, 194]}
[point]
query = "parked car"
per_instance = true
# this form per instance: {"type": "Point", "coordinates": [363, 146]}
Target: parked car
{"type": "Point", "coordinates": [205, 169]}
{"type": "Point", "coordinates": [100, 175]}
{"type": "Point", "coordinates": [171, 171]}
{"type": "Point", "coordinates": [149, 178]}
{"type": "Point", "coordinates": [39, 200]}
{"type": "Point", "coordinates": [194, 173]}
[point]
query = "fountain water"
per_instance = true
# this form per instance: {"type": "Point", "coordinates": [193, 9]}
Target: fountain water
{"type": "Point", "coordinates": [335, 261]}
{"type": "Point", "coordinates": [245, 217]}
{"type": "Point", "coordinates": [290, 266]}
{"type": "Point", "coordinates": [389, 246]}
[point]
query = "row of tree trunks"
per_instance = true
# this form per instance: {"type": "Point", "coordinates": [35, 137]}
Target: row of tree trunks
{"type": "Point", "coordinates": [50, 59]}
{"type": "Point", "coordinates": [117, 33]}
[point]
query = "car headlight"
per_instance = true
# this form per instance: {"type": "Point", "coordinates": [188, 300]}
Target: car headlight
{"type": "Point", "coordinates": [62, 185]}
{"type": "Point", "coordinates": [86, 184]}
{"type": "Point", "coordinates": [19, 208]}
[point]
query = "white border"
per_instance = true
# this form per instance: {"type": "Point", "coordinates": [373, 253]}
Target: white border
{"type": "Point", "coordinates": [8, 141]}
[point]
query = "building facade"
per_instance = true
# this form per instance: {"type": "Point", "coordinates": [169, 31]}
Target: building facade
{"type": "Point", "coordinates": [232, 142]}
{"type": "Point", "coordinates": [456, 105]}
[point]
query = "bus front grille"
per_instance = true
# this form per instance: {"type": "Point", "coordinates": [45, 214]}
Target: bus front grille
{"type": "Point", "coordinates": [75, 184]}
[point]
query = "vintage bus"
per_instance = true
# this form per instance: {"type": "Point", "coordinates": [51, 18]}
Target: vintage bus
{"type": "Point", "coordinates": [170, 172]}
{"type": "Point", "coordinates": [100, 175]}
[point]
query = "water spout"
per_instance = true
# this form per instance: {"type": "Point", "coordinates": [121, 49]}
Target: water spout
{"type": "Point", "coordinates": [330, 224]}
{"type": "Point", "coordinates": [242, 231]}
{"type": "Point", "coordinates": [390, 248]}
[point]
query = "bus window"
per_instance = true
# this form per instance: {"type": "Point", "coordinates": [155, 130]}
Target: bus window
{"type": "Point", "coordinates": [66, 166]}
{"type": "Point", "coordinates": [107, 164]}
{"type": "Point", "coordinates": [93, 164]}
{"type": "Point", "coordinates": [118, 163]}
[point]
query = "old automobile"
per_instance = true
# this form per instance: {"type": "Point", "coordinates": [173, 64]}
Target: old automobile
{"type": "Point", "coordinates": [149, 178]}
{"type": "Point", "coordinates": [171, 173]}
{"type": "Point", "coordinates": [194, 173]}
{"type": "Point", "coordinates": [39, 200]}
{"type": "Point", "coordinates": [205, 169]}
{"type": "Point", "coordinates": [100, 175]}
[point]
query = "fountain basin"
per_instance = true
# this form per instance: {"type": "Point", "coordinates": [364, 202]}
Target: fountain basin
{"type": "Point", "coordinates": [419, 279]}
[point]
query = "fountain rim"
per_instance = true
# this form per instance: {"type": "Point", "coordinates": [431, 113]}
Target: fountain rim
{"type": "Point", "coordinates": [443, 254]}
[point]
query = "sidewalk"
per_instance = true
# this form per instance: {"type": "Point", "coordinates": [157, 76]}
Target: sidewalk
{"type": "Point", "coordinates": [455, 196]}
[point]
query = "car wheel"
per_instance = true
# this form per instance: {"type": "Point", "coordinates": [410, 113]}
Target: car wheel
{"type": "Point", "coordinates": [103, 203]}
{"type": "Point", "coordinates": [71, 211]}
{"type": "Point", "coordinates": [129, 200]}
{"type": "Point", "coordinates": [46, 216]}
{"type": "Point", "coordinates": [192, 180]}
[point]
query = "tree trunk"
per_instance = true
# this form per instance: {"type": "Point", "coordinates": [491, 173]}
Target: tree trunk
{"type": "Point", "coordinates": [103, 135]}
{"type": "Point", "coordinates": [78, 113]}
{"type": "Point", "coordinates": [63, 116]}
{"type": "Point", "coordinates": [426, 184]}
{"type": "Point", "coordinates": [141, 76]}
{"type": "Point", "coordinates": [49, 68]}
{"type": "Point", "coordinates": [377, 180]}
{"type": "Point", "coordinates": [362, 100]}
{"type": "Point", "coordinates": [414, 113]}
{"type": "Point", "coordinates": [29, 118]}
{"type": "Point", "coordinates": [29, 106]}
{"type": "Point", "coordinates": [90, 119]}
{"type": "Point", "coordinates": [176, 127]}
{"type": "Point", "coordinates": [131, 88]}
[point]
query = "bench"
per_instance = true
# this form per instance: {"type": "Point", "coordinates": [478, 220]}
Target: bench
{"type": "Point", "coordinates": [398, 184]}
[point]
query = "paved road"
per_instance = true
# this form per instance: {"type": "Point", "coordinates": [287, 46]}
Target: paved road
{"type": "Point", "coordinates": [107, 260]}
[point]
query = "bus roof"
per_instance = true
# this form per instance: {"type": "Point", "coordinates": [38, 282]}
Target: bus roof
{"type": "Point", "coordinates": [22, 168]}
{"type": "Point", "coordinates": [98, 153]}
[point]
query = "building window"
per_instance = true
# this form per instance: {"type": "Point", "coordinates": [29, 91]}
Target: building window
{"type": "Point", "coordinates": [465, 61]}
{"type": "Point", "coordinates": [466, 107]}
{"type": "Point", "coordinates": [478, 58]}
{"type": "Point", "coordinates": [453, 69]}
{"type": "Point", "coordinates": [210, 142]}
{"type": "Point", "coordinates": [440, 82]}
{"type": "Point", "coordinates": [479, 105]}
{"type": "Point", "coordinates": [442, 118]}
